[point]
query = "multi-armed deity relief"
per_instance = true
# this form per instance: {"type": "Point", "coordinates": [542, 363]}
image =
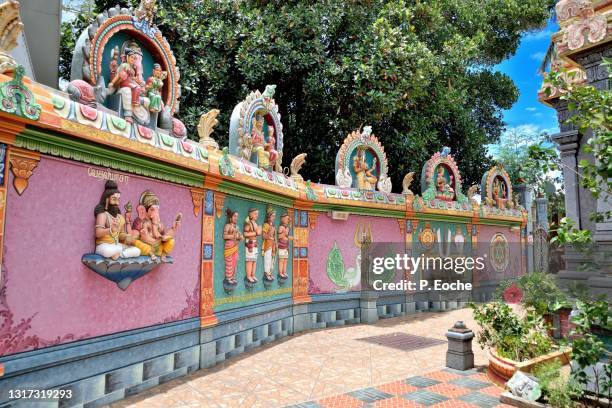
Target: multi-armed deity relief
{"type": "Point", "coordinates": [123, 64]}
{"type": "Point", "coordinates": [361, 163]}
{"type": "Point", "coordinates": [256, 132]}
{"type": "Point", "coordinates": [127, 249]}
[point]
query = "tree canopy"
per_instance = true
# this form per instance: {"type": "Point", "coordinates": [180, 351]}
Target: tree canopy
{"type": "Point", "coordinates": [420, 72]}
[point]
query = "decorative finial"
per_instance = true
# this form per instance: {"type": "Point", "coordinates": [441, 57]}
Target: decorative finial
{"type": "Point", "coordinates": [10, 28]}
{"type": "Point", "coordinates": [269, 91]}
{"type": "Point", "coordinates": [207, 124]}
{"type": "Point", "coordinates": [445, 151]}
{"type": "Point", "coordinates": [367, 131]}
{"type": "Point", "coordinates": [146, 11]}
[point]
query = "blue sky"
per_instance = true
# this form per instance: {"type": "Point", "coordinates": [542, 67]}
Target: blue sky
{"type": "Point", "coordinates": [528, 114]}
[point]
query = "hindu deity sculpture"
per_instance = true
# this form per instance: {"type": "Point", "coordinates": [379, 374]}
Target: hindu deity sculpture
{"type": "Point", "coordinates": [444, 191]}
{"type": "Point", "coordinates": [231, 235]}
{"type": "Point", "coordinates": [441, 182]}
{"type": "Point", "coordinates": [366, 180]}
{"type": "Point", "coordinates": [108, 69]}
{"type": "Point", "coordinates": [127, 81]}
{"type": "Point", "coordinates": [251, 232]}
{"type": "Point", "coordinates": [352, 168]}
{"type": "Point", "coordinates": [499, 193]}
{"type": "Point", "coordinates": [267, 155]}
{"type": "Point", "coordinates": [284, 230]}
{"type": "Point", "coordinates": [154, 85]}
{"type": "Point", "coordinates": [113, 232]}
{"type": "Point", "coordinates": [256, 132]}
{"type": "Point", "coordinates": [496, 188]}
{"type": "Point", "coordinates": [269, 246]}
{"type": "Point", "coordinates": [270, 148]}
{"type": "Point", "coordinates": [152, 238]}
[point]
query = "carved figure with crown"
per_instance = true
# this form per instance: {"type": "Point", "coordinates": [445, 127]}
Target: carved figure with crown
{"type": "Point", "coordinates": [361, 163]}
{"type": "Point", "coordinates": [256, 132]}
{"type": "Point", "coordinates": [441, 180]}
{"type": "Point", "coordinates": [123, 65]}
{"type": "Point", "coordinates": [497, 188]}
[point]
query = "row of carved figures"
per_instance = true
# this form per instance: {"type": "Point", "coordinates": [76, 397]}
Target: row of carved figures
{"type": "Point", "coordinates": [274, 247]}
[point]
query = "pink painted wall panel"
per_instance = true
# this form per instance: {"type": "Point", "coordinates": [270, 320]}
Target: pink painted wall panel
{"type": "Point", "coordinates": [516, 266]}
{"type": "Point", "coordinates": [51, 226]}
{"type": "Point", "coordinates": [328, 231]}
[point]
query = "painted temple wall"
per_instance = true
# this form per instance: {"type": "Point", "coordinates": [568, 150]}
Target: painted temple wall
{"type": "Point", "coordinates": [50, 227]}
{"type": "Point", "coordinates": [329, 232]}
{"type": "Point", "coordinates": [241, 296]}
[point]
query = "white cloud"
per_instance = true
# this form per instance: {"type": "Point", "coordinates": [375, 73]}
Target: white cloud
{"type": "Point", "coordinates": [531, 109]}
{"type": "Point", "coordinates": [538, 56]}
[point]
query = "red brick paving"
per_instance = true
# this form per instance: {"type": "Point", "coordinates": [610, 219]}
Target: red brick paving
{"type": "Point", "coordinates": [397, 388]}
{"type": "Point", "coordinates": [448, 390]}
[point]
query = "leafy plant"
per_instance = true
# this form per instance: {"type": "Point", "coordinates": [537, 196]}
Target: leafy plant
{"type": "Point", "coordinates": [539, 292]}
{"type": "Point", "coordinates": [512, 337]}
{"type": "Point", "coordinates": [558, 391]}
{"type": "Point", "coordinates": [588, 349]}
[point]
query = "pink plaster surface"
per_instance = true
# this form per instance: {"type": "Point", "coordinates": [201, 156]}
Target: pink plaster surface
{"type": "Point", "coordinates": [51, 226]}
{"type": "Point", "coordinates": [515, 266]}
{"type": "Point", "coordinates": [321, 240]}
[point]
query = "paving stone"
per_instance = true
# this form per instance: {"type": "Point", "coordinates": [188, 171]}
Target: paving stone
{"type": "Point", "coordinates": [425, 397]}
{"type": "Point", "coordinates": [482, 400]}
{"type": "Point", "coordinates": [421, 382]}
{"type": "Point", "coordinates": [370, 395]}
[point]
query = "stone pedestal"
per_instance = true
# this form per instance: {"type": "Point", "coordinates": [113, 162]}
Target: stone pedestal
{"type": "Point", "coordinates": [459, 355]}
{"type": "Point", "coordinates": [369, 311]}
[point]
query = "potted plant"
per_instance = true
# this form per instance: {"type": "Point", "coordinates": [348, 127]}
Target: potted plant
{"type": "Point", "coordinates": [513, 342]}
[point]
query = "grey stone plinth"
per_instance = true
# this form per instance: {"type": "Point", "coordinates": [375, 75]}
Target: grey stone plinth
{"type": "Point", "coordinates": [369, 310]}
{"type": "Point", "coordinates": [459, 355]}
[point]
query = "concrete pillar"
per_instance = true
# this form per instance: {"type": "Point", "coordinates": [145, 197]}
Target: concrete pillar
{"type": "Point", "coordinates": [542, 212]}
{"type": "Point", "coordinates": [367, 303]}
{"type": "Point", "coordinates": [568, 145]}
{"type": "Point", "coordinates": [525, 193]}
{"type": "Point", "coordinates": [459, 355]}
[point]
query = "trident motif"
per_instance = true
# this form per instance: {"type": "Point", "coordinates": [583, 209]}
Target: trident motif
{"type": "Point", "coordinates": [363, 235]}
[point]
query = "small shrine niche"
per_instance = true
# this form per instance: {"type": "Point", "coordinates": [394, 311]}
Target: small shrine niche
{"type": "Point", "coordinates": [361, 163]}
{"type": "Point", "coordinates": [497, 188]}
{"type": "Point", "coordinates": [122, 64]}
{"type": "Point", "coordinates": [256, 131]}
{"type": "Point", "coordinates": [441, 180]}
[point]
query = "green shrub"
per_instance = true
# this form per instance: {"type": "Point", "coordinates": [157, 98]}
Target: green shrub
{"type": "Point", "coordinates": [558, 391]}
{"type": "Point", "coordinates": [512, 337]}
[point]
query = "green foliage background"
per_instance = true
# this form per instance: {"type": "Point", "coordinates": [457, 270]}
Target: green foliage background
{"type": "Point", "coordinates": [420, 72]}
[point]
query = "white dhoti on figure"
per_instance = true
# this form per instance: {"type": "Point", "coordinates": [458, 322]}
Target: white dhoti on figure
{"type": "Point", "coordinates": [268, 261]}
{"type": "Point", "coordinates": [110, 250]}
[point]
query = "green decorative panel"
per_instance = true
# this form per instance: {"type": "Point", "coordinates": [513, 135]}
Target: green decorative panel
{"type": "Point", "coordinates": [240, 295]}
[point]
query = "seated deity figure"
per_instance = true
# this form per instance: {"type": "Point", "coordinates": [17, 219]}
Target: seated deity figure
{"type": "Point", "coordinates": [128, 80]}
{"type": "Point", "coordinates": [154, 85]}
{"type": "Point", "coordinates": [113, 231]}
{"type": "Point", "coordinates": [270, 147]}
{"type": "Point", "coordinates": [259, 142]}
{"type": "Point", "coordinates": [153, 239]}
{"type": "Point", "coordinates": [444, 191]}
{"type": "Point", "coordinates": [366, 180]}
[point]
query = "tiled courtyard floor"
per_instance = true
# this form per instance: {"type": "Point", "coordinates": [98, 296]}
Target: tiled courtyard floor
{"type": "Point", "coordinates": [334, 368]}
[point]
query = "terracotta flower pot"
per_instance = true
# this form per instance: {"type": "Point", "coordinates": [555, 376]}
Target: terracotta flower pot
{"type": "Point", "coordinates": [502, 369]}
